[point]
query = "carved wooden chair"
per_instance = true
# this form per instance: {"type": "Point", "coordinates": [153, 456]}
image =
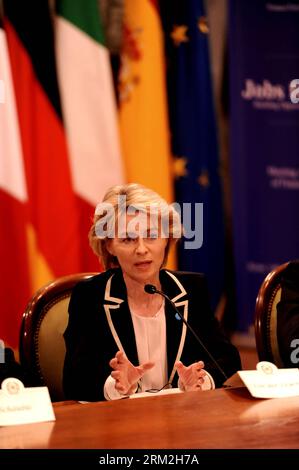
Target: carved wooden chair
{"type": "Point", "coordinates": [42, 348]}
{"type": "Point", "coordinates": [265, 321]}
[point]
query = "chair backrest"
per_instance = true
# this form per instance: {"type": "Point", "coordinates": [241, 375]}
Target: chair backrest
{"type": "Point", "coordinates": [42, 348]}
{"type": "Point", "coordinates": [265, 320]}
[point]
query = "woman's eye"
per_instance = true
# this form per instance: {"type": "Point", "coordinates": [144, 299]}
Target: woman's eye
{"type": "Point", "coordinates": [128, 239]}
{"type": "Point", "coordinates": [154, 235]}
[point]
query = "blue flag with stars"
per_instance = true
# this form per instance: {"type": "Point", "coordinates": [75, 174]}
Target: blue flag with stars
{"type": "Point", "coordinates": [194, 135]}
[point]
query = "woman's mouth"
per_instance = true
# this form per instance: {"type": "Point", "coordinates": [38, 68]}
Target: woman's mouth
{"type": "Point", "coordinates": [143, 264]}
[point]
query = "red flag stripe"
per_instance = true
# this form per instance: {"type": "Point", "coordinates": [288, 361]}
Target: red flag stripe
{"type": "Point", "coordinates": [15, 288]}
{"type": "Point", "coordinates": [52, 204]}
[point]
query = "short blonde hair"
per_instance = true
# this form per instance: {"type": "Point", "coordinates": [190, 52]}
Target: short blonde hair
{"type": "Point", "coordinates": [138, 196]}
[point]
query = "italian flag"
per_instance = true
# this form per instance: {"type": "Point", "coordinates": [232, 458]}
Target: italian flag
{"type": "Point", "coordinates": [88, 102]}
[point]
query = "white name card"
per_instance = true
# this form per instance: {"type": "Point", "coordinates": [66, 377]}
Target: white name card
{"type": "Point", "coordinates": [20, 405]}
{"type": "Point", "coordinates": [267, 381]}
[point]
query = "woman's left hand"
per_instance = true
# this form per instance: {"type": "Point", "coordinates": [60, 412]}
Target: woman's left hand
{"type": "Point", "coordinates": [125, 374]}
{"type": "Point", "coordinates": [191, 377]}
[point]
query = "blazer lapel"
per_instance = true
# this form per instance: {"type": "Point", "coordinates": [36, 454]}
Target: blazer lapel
{"type": "Point", "coordinates": [120, 320]}
{"type": "Point", "coordinates": [119, 317]}
{"type": "Point", "coordinates": [175, 328]}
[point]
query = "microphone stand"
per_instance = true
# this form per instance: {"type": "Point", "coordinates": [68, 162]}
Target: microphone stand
{"type": "Point", "coordinates": [151, 289]}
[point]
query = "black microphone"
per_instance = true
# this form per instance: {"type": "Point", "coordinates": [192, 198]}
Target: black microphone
{"type": "Point", "coordinates": [151, 289]}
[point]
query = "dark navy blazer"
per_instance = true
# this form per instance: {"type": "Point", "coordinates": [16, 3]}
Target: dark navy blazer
{"type": "Point", "coordinates": [100, 324]}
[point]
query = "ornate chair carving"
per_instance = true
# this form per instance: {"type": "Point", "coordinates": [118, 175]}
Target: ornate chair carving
{"type": "Point", "coordinates": [42, 348]}
{"type": "Point", "coordinates": [265, 321]}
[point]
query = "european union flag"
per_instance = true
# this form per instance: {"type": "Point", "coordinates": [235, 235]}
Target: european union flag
{"type": "Point", "coordinates": [194, 135]}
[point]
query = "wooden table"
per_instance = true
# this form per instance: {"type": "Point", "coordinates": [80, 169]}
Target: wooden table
{"type": "Point", "coordinates": [218, 419]}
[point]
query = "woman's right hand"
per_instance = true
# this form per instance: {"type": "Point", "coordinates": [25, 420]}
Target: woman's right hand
{"type": "Point", "coordinates": [125, 374]}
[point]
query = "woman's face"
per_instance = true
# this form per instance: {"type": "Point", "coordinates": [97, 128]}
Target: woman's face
{"type": "Point", "coordinates": [140, 249]}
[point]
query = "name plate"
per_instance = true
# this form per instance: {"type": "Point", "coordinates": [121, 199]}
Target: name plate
{"type": "Point", "coordinates": [267, 381]}
{"type": "Point", "coordinates": [20, 405]}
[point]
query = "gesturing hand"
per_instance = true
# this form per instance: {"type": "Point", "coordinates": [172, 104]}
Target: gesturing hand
{"type": "Point", "coordinates": [125, 374]}
{"type": "Point", "coordinates": [191, 377]}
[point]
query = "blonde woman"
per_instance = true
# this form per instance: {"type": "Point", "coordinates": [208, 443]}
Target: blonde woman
{"type": "Point", "coordinates": [120, 340]}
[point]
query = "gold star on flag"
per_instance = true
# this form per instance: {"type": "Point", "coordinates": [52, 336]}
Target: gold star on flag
{"type": "Point", "coordinates": [178, 34]}
{"type": "Point", "coordinates": [202, 24]}
{"type": "Point", "coordinates": [179, 167]}
{"type": "Point", "coordinates": [203, 179]}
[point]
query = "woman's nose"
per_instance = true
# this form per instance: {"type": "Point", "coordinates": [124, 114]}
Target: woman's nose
{"type": "Point", "coordinates": [141, 246]}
